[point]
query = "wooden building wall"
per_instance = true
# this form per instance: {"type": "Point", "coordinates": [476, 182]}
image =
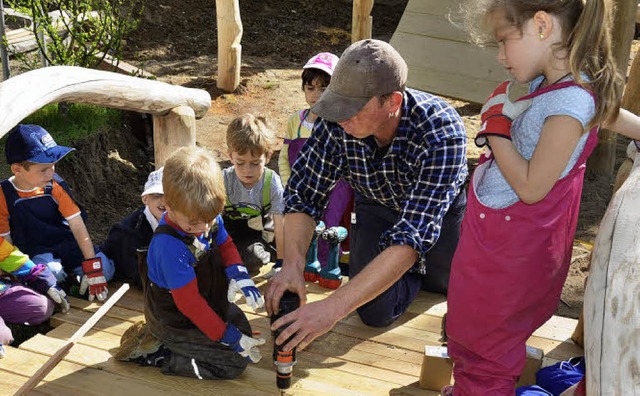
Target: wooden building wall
{"type": "Point", "coordinates": [440, 57]}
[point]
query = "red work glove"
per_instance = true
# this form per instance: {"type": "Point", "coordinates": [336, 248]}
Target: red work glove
{"type": "Point", "coordinates": [94, 279]}
{"type": "Point", "coordinates": [498, 113]}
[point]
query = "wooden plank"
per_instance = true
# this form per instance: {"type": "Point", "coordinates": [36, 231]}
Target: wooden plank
{"type": "Point", "coordinates": [433, 7]}
{"type": "Point", "coordinates": [444, 55]}
{"type": "Point", "coordinates": [108, 324]}
{"type": "Point", "coordinates": [434, 26]}
{"type": "Point", "coordinates": [71, 378]}
{"type": "Point", "coordinates": [324, 370]}
{"type": "Point", "coordinates": [116, 312]}
{"type": "Point", "coordinates": [101, 359]}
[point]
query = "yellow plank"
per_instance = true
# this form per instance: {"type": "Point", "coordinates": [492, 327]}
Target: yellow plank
{"type": "Point", "coordinates": [106, 323]}
{"type": "Point", "coordinates": [117, 312]}
{"type": "Point", "coordinates": [71, 378]}
{"type": "Point", "coordinates": [348, 376]}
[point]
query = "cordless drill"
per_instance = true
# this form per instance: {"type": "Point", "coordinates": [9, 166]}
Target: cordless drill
{"type": "Point", "coordinates": [284, 360]}
{"type": "Point", "coordinates": [312, 267]}
{"type": "Point", "coordinates": [331, 276]}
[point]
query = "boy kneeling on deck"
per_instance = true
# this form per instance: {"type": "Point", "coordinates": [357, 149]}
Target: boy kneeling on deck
{"type": "Point", "coordinates": [193, 269]}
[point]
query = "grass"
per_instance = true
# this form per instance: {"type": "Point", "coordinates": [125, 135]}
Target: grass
{"type": "Point", "coordinates": [67, 123]}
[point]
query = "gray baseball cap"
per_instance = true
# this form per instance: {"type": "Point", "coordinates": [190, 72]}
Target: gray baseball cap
{"type": "Point", "coordinates": [366, 69]}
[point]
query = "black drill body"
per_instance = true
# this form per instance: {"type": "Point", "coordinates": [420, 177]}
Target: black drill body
{"type": "Point", "coordinates": [284, 361]}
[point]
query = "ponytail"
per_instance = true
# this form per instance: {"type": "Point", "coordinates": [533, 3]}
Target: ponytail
{"type": "Point", "coordinates": [590, 52]}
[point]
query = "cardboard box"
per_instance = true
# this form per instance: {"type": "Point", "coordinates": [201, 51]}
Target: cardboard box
{"type": "Point", "coordinates": [437, 368]}
{"type": "Point", "coordinates": [534, 362]}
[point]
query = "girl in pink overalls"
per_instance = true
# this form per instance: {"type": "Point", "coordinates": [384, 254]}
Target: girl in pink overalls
{"type": "Point", "coordinates": [316, 75]}
{"type": "Point", "coordinates": [516, 239]}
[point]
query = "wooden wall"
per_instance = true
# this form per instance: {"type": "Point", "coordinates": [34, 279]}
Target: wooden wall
{"type": "Point", "coordinates": [440, 58]}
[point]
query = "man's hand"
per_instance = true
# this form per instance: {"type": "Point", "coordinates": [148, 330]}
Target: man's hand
{"type": "Point", "coordinates": [246, 346]}
{"type": "Point", "coordinates": [498, 113]}
{"type": "Point", "coordinates": [94, 279]}
{"type": "Point", "coordinates": [288, 278]}
{"type": "Point", "coordinates": [239, 281]}
{"type": "Point", "coordinates": [306, 324]}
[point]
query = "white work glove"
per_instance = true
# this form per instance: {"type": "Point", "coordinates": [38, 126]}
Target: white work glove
{"type": "Point", "coordinates": [239, 281]}
{"type": "Point", "coordinates": [246, 346]}
{"type": "Point", "coordinates": [59, 297]}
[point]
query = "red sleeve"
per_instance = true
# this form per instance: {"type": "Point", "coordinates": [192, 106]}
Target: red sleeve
{"type": "Point", "coordinates": [193, 306]}
{"type": "Point", "coordinates": [229, 252]}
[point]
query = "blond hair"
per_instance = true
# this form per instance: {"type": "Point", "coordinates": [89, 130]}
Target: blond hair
{"type": "Point", "coordinates": [586, 36]}
{"type": "Point", "coordinates": [193, 185]}
{"type": "Point", "coordinates": [250, 133]}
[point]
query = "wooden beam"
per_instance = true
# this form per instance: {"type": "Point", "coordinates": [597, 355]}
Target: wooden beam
{"type": "Point", "coordinates": [28, 92]}
{"type": "Point", "coordinates": [172, 131]}
{"type": "Point", "coordinates": [229, 48]}
{"type": "Point", "coordinates": [361, 20]}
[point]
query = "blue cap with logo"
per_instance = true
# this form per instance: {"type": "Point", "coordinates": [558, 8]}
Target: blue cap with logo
{"type": "Point", "coordinates": [34, 144]}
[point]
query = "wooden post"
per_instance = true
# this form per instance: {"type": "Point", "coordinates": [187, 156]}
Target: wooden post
{"type": "Point", "coordinates": [361, 20]}
{"type": "Point", "coordinates": [611, 304]}
{"type": "Point", "coordinates": [603, 159]}
{"type": "Point", "coordinates": [229, 48]}
{"type": "Point", "coordinates": [4, 53]}
{"type": "Point", "coordinates": [172, 131]}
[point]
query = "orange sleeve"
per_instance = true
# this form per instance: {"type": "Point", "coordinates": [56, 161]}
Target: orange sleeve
{"type": "Point", "coordinates": [4, 215]}
{"type": "Point", "coordinates": [68, 208]}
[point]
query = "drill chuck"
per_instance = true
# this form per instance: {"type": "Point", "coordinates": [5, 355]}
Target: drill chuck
{"type": "Point", "coordinates": [284, 360]}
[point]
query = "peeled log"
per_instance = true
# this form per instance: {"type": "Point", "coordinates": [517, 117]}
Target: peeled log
{"type": "Point", "coordinates": [28, 92]}
{"type": "Point", "coordinates": [612, 298]}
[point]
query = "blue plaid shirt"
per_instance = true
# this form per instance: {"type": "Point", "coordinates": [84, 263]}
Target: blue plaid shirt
{"type": "Point", "coordinates": [419, 175]}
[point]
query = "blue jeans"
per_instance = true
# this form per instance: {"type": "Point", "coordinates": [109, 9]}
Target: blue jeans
{"type": "Point", "coordinates": [372, 220]}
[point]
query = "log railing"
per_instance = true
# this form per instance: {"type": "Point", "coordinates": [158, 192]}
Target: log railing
{"type": "Point", "coordinates": [174, 108]}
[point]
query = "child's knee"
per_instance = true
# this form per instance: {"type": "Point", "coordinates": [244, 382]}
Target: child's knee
{"type": "Point", "coordinates": [54, 265]}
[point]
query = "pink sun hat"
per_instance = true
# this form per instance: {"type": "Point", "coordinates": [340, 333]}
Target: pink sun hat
{"type": "Point", "coordinates": [325, 61]}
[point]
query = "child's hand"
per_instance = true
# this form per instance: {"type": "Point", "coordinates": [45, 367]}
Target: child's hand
{"type": "Point", "coordinates": [239, 280]}
{"type": "Point", "coordinates": [59, 297]}
{"type": "Point", "coordinates": [94, 279]}
{"type": "Point", "coordinates": [246, 346]}
{"type": "Point", "coordinates": [42, 280]}
{"type": "Point", "coordinates": [498, 113]}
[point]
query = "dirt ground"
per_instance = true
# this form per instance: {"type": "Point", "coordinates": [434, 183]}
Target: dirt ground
{"type": "Point", "coordinates": [176, 41]}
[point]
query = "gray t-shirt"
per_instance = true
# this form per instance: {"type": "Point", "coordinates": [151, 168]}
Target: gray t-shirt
{"type": "Point", "coordinates": [238, 194]}
{"type": "Point", "coordinates": [493, 190]}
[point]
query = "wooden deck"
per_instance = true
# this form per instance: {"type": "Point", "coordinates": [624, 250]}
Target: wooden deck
{"type": "Point", "coordinates": [351, 359]}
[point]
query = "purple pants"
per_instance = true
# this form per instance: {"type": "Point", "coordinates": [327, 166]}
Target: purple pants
{"type": "Point", "coordinates": [339, 200]}
{"type": "Point", "coordinates": [21, 305]}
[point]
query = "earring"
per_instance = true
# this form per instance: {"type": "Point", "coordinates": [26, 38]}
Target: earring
{"type": "Point", "coordinates": [541, 36]}
{"type": "Point", "coordinates": [391, 114]}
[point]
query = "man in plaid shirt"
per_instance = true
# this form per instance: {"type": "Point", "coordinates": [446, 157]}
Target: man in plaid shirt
{"type": "Point", "coordinates": [404, 153]}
